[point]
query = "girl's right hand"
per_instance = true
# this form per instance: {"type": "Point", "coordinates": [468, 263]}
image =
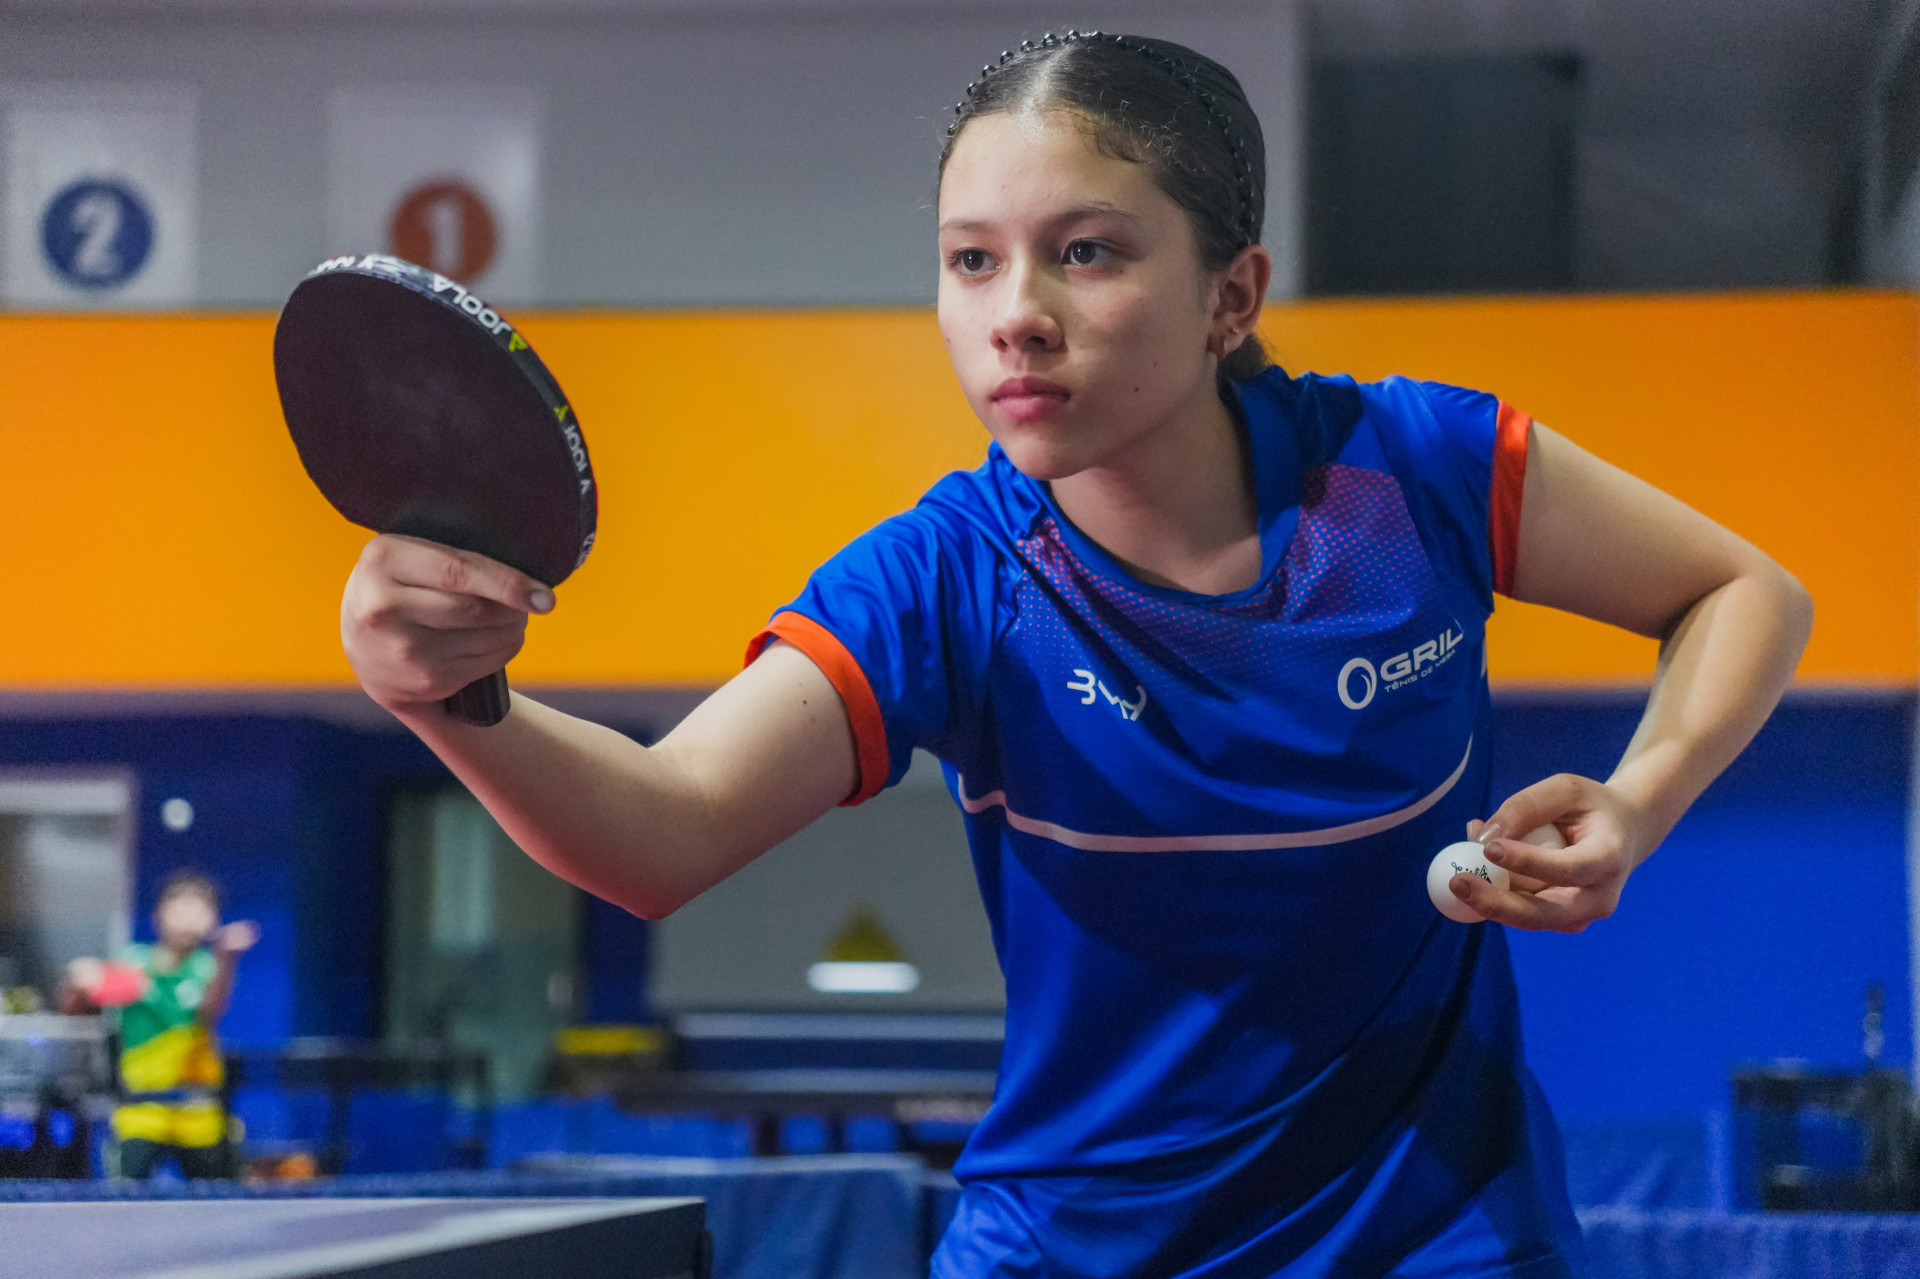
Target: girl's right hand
{"type": "Point", "coordinates": [420, 621]}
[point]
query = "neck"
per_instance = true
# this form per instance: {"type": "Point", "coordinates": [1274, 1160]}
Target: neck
{"type": "Point", "coordinates": [1176, 506]}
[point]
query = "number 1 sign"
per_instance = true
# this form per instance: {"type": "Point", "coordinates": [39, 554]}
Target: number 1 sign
{"type": "Point", "coordinates": [446, 178]}
{"type": "Point", "coordinates": [100, 198]}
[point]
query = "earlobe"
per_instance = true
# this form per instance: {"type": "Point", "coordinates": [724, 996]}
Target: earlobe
{"type": "Point", "coordinates": [1244, 293]}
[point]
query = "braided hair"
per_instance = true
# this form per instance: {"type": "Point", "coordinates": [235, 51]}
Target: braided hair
{"type": "Point", "coordinates": [1155, 103]}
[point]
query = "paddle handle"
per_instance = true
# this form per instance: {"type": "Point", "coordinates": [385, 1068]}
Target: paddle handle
{"type": "Point", "coordinates": [482, 703]}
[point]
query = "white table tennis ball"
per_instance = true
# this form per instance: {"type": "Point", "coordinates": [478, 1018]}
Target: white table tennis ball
{"type": "Point", "coordinates": [1546, 837]}
{"type": "Point", "coordinates": [1466, 857]}
{"type": "Point", "coordinates": [1469, 856]}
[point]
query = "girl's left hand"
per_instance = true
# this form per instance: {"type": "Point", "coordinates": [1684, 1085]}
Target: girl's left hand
{"type": "Point", "coordinates": [1558, 889]}
{"type": "Point", "coordinates": [236, 938]}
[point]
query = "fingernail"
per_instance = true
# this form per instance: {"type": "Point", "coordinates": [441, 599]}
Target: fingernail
{"type": "Point", "coordinates": [1496, 853]}
{"type": "Point", "coordinates": [542, 601]}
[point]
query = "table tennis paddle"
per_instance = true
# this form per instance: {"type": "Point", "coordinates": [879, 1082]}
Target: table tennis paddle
{"type": "Point", "coordinates": [418, 409]}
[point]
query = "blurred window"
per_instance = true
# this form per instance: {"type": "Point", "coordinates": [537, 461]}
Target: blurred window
{"type": "Point", "coordinates": [1900, 117]}
{"type": "Point", "coordinates": [64, 883]}
{"type": "Point", "coordinates": [1446, 175]}
{"type": "Point", "coordinates": [483, 944]}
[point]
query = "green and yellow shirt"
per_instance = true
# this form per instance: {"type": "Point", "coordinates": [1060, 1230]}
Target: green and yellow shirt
{"type": "Point", "coordinates": [163, 1046]}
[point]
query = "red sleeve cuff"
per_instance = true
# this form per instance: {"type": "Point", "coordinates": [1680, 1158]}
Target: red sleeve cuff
{"type": "Point", "coordinates": [863, 709]}
{"type": "Point", "coordinates": [1509, 484]}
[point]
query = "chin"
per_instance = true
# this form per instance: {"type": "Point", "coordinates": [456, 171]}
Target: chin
{"type": "Point", "coordinates": [1042, 459]}
{"type": "Point", "coordinates": [1048, 451]}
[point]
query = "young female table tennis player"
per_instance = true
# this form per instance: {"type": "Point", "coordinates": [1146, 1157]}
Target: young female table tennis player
{"type": "Point", "coordinates": [1201, 646]}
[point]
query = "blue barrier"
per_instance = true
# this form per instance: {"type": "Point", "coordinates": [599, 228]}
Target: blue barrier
{"type": "Point", "coordinates": [282, 1117]}
{"type": "Point", "coordinates": [597, 1127]}
{"type": "Point", "coordinates": [1652, 1164]}
{"type": "Point", "coordinates": [871, 1135]}
{"type": "Point", "coordinates": [398, 1132]}
{"type": "Point", "coordinates": [1628, 1243]}
{"type": "Point", "coordinates": [387, 1130]}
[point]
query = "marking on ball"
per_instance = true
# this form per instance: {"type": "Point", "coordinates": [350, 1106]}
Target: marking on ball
{"type": "Point", "coordinates": [1465, 858]}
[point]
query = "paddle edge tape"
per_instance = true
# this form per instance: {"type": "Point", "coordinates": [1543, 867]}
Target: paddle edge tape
{"type": "Point", "coordinates": [463, 302]}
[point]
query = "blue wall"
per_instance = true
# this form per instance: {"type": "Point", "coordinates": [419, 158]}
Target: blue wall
{"type": "Point", "coordinates": [288, 819]}
{"type": "Point", "coordinates": [1750, 936]}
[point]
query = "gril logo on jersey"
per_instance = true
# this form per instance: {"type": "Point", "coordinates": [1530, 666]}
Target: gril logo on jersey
{"type": "Point", "coordinates": [1360, 681]}
{"type": "Point", "coordinates": [1088, 685]}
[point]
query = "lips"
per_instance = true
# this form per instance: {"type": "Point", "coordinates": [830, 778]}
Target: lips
{"type": "Point", "coordinates": [1027, 399]}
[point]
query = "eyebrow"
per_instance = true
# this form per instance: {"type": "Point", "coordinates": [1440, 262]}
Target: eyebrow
{"type": "Point", "coordinates": [1079, 213]}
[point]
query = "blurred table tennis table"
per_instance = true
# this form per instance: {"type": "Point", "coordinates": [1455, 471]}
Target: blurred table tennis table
{"type": "Point", "coordinates": [361, 1238]}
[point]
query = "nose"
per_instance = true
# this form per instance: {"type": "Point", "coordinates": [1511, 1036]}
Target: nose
{"type": "Point", "coordinates": [1027, 323]}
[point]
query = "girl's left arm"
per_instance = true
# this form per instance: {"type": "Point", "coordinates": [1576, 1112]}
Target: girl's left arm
{"type": "Point", "coordinates": [1731, 625]}
{"type": "Point", "coordinates": [230, 941]}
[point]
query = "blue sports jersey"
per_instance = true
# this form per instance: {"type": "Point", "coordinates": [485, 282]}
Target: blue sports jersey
{"type": "Point", "coordinates": [1240, 1040]}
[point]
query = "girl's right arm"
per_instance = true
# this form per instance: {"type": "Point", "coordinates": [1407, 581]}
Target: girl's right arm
{"type": "Point", "coordinates": [648, 828]}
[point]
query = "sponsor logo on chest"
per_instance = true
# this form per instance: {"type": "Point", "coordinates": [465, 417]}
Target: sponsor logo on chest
{"type": "Point", "coordinates": [1360, 680]}
{"type": "Point", "coordinates": [1088, 686]}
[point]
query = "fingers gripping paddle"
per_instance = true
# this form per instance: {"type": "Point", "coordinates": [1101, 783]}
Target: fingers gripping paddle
{"type": "Point", "coordinates": [417, 409]}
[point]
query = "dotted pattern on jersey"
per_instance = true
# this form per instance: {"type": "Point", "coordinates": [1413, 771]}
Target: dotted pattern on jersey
{"type": "Point", "coordinates": [1355, 567]}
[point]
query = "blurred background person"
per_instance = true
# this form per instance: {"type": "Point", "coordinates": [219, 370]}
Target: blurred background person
{"type": "Point", "coordinates": [170, 997]}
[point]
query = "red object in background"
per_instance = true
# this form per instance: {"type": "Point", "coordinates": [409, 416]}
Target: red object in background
{"type": "Point", "coordinates": [445, 226]}
{"type": "Point", "coordinates": [119, 984]}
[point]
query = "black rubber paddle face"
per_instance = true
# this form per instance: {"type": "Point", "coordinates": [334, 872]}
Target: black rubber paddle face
{"type": "Point", "coordinates": [417, 414]}
{"type": "Point", "coordinates": [417, 409]}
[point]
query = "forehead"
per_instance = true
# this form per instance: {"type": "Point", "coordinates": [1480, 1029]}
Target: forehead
{"type": "Point", "coordinates": [1011, 164]}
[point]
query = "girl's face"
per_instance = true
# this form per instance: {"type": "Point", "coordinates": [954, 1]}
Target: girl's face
{"type": "Point", "coordinates": [185, 919]}
{"type": "Point", "coordinates": [1072, 298]}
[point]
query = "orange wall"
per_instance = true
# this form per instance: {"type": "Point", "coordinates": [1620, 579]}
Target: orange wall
{"type": "Point", "coordinates": [159, 532]}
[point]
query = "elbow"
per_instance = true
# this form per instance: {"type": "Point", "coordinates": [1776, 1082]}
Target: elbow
{"type": "Point", "coordinates": [651, 909]}
{"type": "Point", "coordinates": [652, 903]}
{"type": "Point", "coordinates": [1796, 608]}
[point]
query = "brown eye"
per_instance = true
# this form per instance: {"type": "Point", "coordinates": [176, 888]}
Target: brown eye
{"type": "Point", "coordinates": [1087, 253]}
{"type": "Point", "coordinates": [971, 261]}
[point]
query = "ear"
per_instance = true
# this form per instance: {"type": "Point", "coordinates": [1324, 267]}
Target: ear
{"type": "Point", "coordinates": [1238, 296]}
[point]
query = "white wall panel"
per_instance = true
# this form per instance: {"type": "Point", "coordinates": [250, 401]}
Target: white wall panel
{"type": "Point", "coordinates": [101, 196]}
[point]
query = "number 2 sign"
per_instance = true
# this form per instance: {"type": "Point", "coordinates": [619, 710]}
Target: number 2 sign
{"type": "Point", "coordinates": [100, 200]}
{"type": "Point", "coordinates": [97, 234]}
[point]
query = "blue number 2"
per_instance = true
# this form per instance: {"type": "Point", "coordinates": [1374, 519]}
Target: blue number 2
{"type": "Point", "coordinates": [97, 233]}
